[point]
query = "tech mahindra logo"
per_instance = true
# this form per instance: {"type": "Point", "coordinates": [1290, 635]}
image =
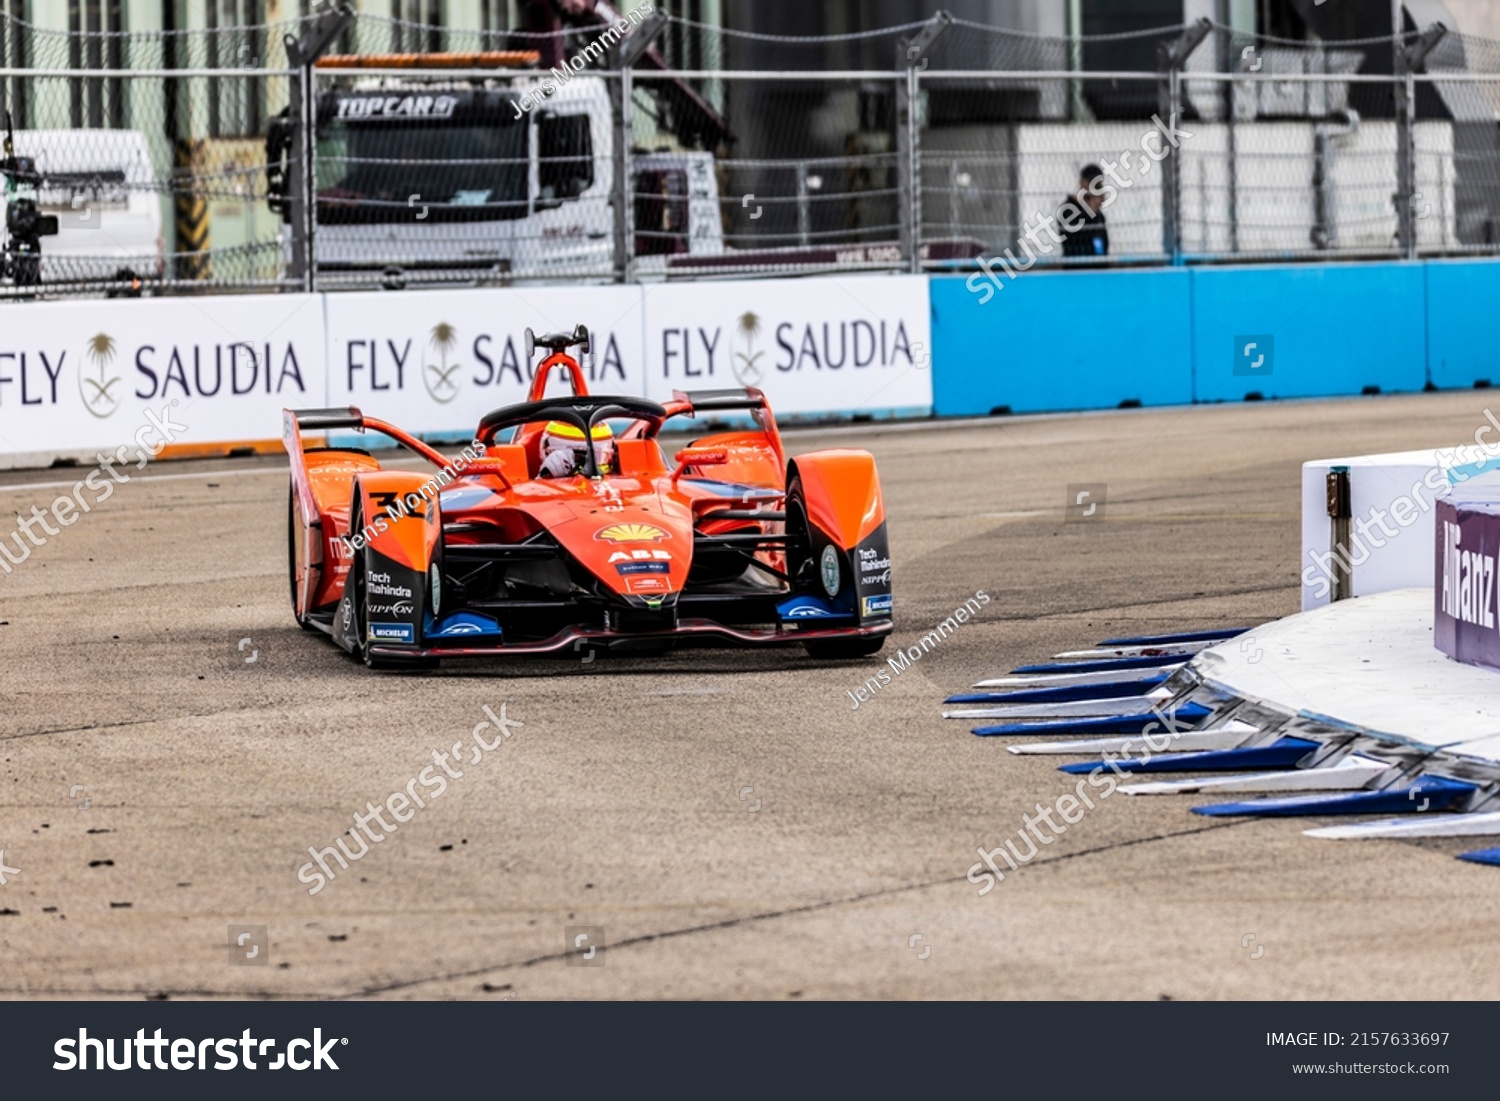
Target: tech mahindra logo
{"type": "Point", "coordinates": [1468, 581]}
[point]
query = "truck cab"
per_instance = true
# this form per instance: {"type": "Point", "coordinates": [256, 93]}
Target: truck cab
{"type": "Point", "coordinates": [479, 182]}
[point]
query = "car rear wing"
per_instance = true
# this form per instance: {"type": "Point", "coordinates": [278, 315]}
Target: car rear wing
{"type": "Point", "coordinates": [716, 401]}
{"type": "Point", "coordinates": [297, 421]}
{"type": "Point", "coordinates": [312, 420]}
{"type": "Point", "coordinates": [751, 400]}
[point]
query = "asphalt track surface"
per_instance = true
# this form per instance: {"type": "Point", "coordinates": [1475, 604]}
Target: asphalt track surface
{"type": "Point", "coordinates": [159, 789]}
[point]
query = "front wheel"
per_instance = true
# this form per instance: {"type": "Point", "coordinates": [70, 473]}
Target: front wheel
{"type": "Point", "coordinates": [802, 552]}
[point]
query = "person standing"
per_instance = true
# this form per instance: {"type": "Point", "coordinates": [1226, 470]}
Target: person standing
{"type": "Point", "coordinates": [1081, 217]}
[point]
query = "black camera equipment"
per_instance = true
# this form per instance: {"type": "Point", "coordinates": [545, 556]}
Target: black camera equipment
{"type": "Point", "coordinates": [25, 224]}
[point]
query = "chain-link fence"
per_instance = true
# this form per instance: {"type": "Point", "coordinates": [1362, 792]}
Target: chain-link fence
{"type": "Point", "coordinates": [174, 161]}
{"type": "Point", "coordinates": [149, 150]}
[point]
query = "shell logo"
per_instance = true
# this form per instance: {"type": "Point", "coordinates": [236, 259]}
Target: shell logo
{"type": "Point", "coordinates": [632, 533]}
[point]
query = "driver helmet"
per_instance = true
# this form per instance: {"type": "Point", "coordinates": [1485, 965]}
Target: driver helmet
{"type": "Point", "coordinates": [563, 436]}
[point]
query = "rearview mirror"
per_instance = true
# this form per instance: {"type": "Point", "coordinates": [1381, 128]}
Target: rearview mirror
{"type": "Point", "coordinates": [586, 347]}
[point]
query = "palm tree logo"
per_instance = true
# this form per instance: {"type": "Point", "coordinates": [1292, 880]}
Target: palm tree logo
{"type": "Point", "coordinates": [438, 377]}
{"type": "Point", "coordinates": [746, 370]}
{"type": "Point", "coordinates": [97, 398]}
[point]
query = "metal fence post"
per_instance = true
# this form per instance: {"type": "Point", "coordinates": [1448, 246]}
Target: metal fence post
{"type": "Point", "coordinates": [621, 190]}
{"type": "Point", "coordinates": [302, 184]}
{"type": "Point", "coordinates": [913, 219]}
{"type": "Point", "coordinates": [909, 135]}
{"type": "Point", "coordinates": [905, 174]}
{"type": "Point", "coordinates": [301, 188]}
{"type": "Point", "coordinates": [804, 224]}
{"type": "Point", "coordinates": [1171, 57]}
{"type": "Point", "coordinates": [953, 175]}
{"type": "Point", "coordinates": [1408, 59]}
{"type": "Point", "coordinates": [622, 193]}
{"type": "Point", "coordinates": [1078, 108]}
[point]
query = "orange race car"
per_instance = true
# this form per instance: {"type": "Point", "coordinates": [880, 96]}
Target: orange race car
{"type": "Point", "coordinates": [563, 528]}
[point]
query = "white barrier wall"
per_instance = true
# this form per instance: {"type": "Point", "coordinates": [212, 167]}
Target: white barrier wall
{"type": "Point", "coordinates": [78, 377]}
{"type": "Point", "coordinates": [1392, 524]}
{"type": "Point", "coordinates": [851, 344]}
{"type": "Point", "coordinates": [436, 361]}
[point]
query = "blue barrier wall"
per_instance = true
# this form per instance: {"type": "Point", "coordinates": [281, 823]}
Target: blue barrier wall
{"type": "Point", "coordinates": [1061, 340]}
{"type": "Point", "coordinates": [1463, 322]}
{"type": "Point", "coordinates": [1328, 328]}
{"type": "Point", "coordinates": [1091, 340]}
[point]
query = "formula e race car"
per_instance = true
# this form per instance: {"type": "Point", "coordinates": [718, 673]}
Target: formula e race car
{"type": "Point", "coordinates": [505, 549]}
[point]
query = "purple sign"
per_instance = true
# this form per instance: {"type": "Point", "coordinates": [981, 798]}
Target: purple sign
{"type": "Point", "coordinates": [1466, 625]}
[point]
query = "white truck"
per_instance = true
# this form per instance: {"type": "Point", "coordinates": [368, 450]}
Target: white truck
{"type": "Point", "coordinates": [491, 181]}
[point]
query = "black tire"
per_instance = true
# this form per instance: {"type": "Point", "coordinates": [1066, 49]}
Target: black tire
{"type": "Point", "coordinates": [802, 554]}
{"type": "Point", "coordinates": [356, 586]}
{"type": "Point", "coordinates": [291, 557]}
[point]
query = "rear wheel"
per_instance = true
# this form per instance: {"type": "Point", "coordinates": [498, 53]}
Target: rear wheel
{"type": "Point", "coordinates": [291, 558]}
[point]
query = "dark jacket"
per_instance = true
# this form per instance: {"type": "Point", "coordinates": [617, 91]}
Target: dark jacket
{"type": "Point", "coordinates": [1091, 238]}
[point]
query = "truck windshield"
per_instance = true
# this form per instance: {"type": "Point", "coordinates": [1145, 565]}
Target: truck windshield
{"type": "Point", "coordinates": [430, 170]}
